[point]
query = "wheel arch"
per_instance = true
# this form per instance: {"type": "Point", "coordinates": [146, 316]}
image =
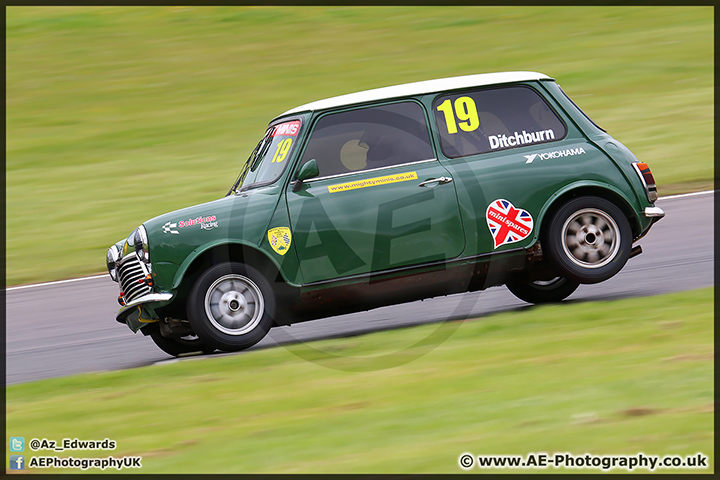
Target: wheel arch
{"type": "Point", "coordinates": [228, 251]}
{"type": "Point", "coordinates": [601, 190]}
{"type": "Point", "coordinates": [214, 254]}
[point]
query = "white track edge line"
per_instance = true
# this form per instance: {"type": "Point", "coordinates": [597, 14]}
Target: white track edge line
{"type": "Point", "coordinates": [104, 275]}
{"type": "Point", "coordinates": [670, 197]}
{"type": "Point", "coordinates": [58, 282]}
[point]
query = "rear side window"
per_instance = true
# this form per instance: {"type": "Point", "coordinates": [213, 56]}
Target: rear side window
{"type": "Point", "coordinates": [368, 138]}
{"type": "Point", "coordinates": [484, 121]}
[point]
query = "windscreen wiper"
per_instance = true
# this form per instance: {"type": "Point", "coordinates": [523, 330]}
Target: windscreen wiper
{"type": "Point", "coordinates": [240, 177]}
{"type": "Point", "coordinates": [252, 159]}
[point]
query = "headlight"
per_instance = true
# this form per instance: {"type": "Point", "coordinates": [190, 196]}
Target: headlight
{"type": "Point", "coordinates": [141, 244]}
{"type": "Point", "coordinates": [113, 254]}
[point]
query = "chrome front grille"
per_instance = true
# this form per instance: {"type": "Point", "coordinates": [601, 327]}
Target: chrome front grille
{"type": "Point", "coordinates": [131, 275]}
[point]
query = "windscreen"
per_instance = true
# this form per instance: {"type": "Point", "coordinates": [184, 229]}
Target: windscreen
{"type": "Point", "coordinates": [272, 153]}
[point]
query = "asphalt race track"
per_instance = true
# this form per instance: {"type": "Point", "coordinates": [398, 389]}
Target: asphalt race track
{"type": "Point", "coordinates": [66, 328]}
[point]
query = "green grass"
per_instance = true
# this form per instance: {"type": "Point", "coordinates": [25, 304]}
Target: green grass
{"type": "Point", "coordinates": [118, 114]}
{"type": "Point", "coordinates": [617, 377]}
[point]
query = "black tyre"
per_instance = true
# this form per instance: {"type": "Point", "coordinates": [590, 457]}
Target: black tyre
{"type": "Point", "coordinates": [588, 239]}
{"type": "Point", "coordinates": [180, 346]}
{"type": "Point", "coordinates": [543, 291]}
{"type": "Point", "coordinates": [231, 306]}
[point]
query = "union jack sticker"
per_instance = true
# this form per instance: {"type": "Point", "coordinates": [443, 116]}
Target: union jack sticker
{"type": "Point", "coordinates": [508, 224]}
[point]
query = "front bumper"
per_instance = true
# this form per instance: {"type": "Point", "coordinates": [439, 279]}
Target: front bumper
{"type": "Point", "coordinates": [126, 310]}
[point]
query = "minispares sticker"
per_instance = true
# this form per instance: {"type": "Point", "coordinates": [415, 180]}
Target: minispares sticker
{"type": "Point", "coordinates": [508, 224]}
{"type": "Point", "coordinates": [289, 129]}
{"type": "Point", "coordinates": [280, 239]}
{"type": "Point", "coordinates": [205, 223]}
{"type": "Point", "coordinates": [569, 152]}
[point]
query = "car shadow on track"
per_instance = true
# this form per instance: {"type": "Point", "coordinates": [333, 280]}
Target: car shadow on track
{"type": "Point", "coordinates": [281, 336]}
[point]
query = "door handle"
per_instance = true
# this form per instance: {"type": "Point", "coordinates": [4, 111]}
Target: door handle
{"type": "Point", "coordinates": [440, 181]}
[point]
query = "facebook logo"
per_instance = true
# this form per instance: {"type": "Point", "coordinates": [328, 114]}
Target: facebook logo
{"type": "Point", "coordinates": [17, 462]}
{"type": "Point", "coordinates": [17, 444]}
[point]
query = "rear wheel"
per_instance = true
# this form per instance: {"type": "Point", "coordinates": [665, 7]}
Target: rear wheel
{"type": "Point", "coordinates": [588, 240]}
{"type": "Point", "coordinates": [231, 306]}
{"type": "Point", "coordinates": [543, 291]}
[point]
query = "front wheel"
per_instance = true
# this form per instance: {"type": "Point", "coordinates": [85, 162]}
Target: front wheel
{"type": "Point", "coordinates": [543, 291]}
{"type": "Point", "coordinates": [588, 239]}
{"type": "Point", "coordinates": [231, 306]}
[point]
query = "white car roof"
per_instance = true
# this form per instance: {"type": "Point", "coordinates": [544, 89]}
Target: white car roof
{"type": "Point", "coordinates": [419, 88]}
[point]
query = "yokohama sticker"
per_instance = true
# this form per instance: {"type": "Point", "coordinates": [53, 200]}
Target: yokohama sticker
{"type": "Point", "coordinates": [508, 224]}
{"type": "Point", "coordinates": [570, 152]}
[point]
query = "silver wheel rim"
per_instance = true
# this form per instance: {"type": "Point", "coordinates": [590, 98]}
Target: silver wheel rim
{"type": "Point", "coordinates": [591, 238]}
{"type": "Point", "coordinates": [234, 304]}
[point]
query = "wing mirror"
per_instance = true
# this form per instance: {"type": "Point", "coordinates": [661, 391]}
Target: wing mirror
{"type": "Point", "coordinates": [307, 171]}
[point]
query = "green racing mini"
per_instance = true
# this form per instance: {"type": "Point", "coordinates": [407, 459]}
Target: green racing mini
{"type": "Point", "coordinates": [387, 196]}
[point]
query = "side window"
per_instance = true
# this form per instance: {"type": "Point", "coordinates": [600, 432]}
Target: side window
{"type": "Point", "coordinates": [368, 138]}
{"type": "Point", "coordinates": [497, 119]}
